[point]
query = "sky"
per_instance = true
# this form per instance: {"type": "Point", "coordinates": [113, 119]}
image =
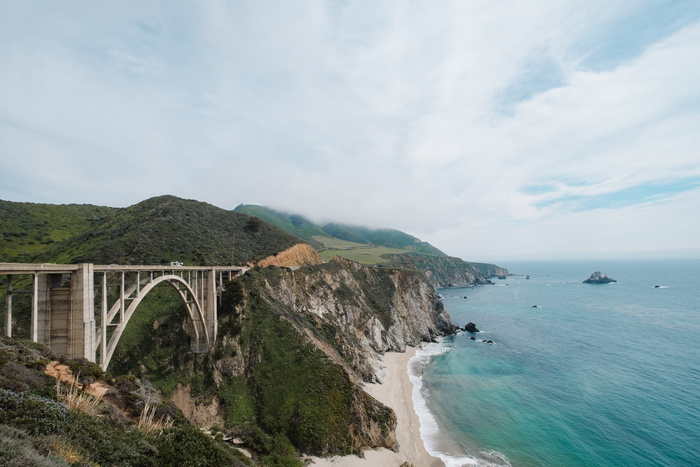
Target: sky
{"type": "Point", "coordinates": [496, 131]}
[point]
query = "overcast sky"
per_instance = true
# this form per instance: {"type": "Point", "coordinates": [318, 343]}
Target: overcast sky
{"type": "Point", "coordinates": [495, 130]}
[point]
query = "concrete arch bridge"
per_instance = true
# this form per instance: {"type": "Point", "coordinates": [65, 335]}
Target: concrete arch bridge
{"type": "Point", "coordinates": [81, 310]}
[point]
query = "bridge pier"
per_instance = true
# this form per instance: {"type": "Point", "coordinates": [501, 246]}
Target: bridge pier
{"type": "Point", "coordinates": [209, 299]}
{"type": "Point", "coordinates": [8, 306]}
{"type": "Point", "coordinates": [63, 314]}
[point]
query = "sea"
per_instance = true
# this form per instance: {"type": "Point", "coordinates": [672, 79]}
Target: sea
{"type": "Point", "coordinates": [577, 374]}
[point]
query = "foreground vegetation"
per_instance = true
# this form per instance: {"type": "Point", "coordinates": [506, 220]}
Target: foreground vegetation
{"type": "Point", "coordinates": [38, 428]}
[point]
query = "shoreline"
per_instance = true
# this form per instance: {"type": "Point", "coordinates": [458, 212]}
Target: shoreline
{"type": "Point", "coordinates": [397, 393]}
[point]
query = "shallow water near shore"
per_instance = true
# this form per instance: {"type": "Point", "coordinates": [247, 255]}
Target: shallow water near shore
{"type": "Point", "coordinates": [578, 374]}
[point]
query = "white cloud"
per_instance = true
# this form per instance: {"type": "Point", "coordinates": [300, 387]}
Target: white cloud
{"type": "Point", "coordinates": [460, 122]}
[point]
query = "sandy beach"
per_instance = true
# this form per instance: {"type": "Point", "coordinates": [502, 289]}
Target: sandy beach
{"type": "Point", "coordinates": [395, 392]}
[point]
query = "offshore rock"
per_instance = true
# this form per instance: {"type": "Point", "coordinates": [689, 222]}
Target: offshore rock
{"type": "Point", "coordinates": [471, 327]}
{"type": "Point", "coordinates": [599, 278]}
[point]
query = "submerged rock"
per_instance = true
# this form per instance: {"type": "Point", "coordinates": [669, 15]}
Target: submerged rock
{"type": "Point", "coordinates": [599, 278]}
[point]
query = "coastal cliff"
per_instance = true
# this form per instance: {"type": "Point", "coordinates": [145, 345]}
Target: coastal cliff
{"type": "Point", "coordinates": [295, 347]}
{"type": "Point", "coordinates": [372, 310]}
{"type": "Point", "coordinates": [448, 271]}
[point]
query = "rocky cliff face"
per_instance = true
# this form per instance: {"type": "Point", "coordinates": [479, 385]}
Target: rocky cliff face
{"type": "Point", "coordinates": [341, 315]}
{"type": "Point", "coordinates": [490, 270]}
{"type": "Point", "coordinates": [301, 254]}
{"type": "Point", "coordinates": [446, 271]}
{"type": "Point", "coordinates": [370, 310]}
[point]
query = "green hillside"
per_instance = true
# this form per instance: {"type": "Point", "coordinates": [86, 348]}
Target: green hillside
{"type": "Point", "coordinates": [294, 224]}
{"type": "Point", "coordinates": [154, 231]}
{"type": "Point", "coordinates": [361, 244]}
{"type": "Point", "coordinates": [27, 229]}
{"type": "Point", "coordinates": [384, 237]}
{"type": "Point", "coordinates": [385, 247]}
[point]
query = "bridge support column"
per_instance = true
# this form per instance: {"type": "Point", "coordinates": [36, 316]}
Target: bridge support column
{"type": "Point", "coordinates": [63, 315]}
{"type": "Point", "coordinates": [8, 306]}
{"type": "Point", "coordinates": [208, 301]}
{"type": "Point", "coordinates": [82, 297]}
{"type": "Point", "coordinates": [41, 308]}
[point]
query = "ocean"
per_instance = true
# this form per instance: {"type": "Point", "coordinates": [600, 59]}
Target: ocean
{"type": "Point", "coordinates": [577, 375]}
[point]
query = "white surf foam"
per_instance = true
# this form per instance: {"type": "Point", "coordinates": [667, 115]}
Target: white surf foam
{"type": "Point", "coordinates": [429, 429]}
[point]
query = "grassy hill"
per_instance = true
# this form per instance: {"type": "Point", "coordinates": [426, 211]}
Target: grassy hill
{"type": "Point", "coordinates": [361, 244]}
{"type": "Point", "coordinates": [27, 229]}
{"type": "Point", "coordinates": [385, 247]}
{"type": "Point", "coordinates": [294, 224]}
{"type": "Point", "coordinates": [154, 231]}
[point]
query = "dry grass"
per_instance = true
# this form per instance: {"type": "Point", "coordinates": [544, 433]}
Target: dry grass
{"type": "Point", "coordinates": [148, 424]}
{"type": "Point", "coordinates": [77, 400]}
{"type": "Point", "coordinates": [67, 452]}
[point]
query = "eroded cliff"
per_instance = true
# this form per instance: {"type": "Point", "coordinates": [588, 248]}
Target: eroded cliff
{"type": "Point", "coordinates": [293, 349]}
{"type": "Point", "coordinates": [368, 310]}
{"type": "Point", "coordinates": [301, 254]}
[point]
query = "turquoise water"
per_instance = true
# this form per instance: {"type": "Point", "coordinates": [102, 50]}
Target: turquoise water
{"type": "Point", "coordinates": [595, 375]}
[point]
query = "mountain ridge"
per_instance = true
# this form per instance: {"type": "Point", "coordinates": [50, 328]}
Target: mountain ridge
{"type": "Point", "coordinates": [385, 247]}
{"type": "Point", "coordinates": [308, 230]}
{"type": "Point", "coordinates": [154, 231]}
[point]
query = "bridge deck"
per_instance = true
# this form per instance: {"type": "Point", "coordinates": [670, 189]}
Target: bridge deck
{"type": "Point", "coordinates": [30, 268]}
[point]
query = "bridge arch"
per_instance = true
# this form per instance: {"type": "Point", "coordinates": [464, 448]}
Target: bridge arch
{"type": "Point", "coordinates": [202, 340]}
{"type": "Point", "coordinates": [70, 312]}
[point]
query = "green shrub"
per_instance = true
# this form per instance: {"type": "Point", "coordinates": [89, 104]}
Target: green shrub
{"type": "Point", "coordinates": [35, 414]}
{"type": "Point", "coordinates": [188, 446]}
{"type": "Point", "coordinates": [87, 371]}
{"type": "Point", "coordinates": [19, 449]}
{"type": "Point", "coordinates": [297, 391]}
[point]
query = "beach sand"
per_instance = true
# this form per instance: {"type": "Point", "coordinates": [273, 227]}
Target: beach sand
{"type": "Point", "coordinates": [395, 392]}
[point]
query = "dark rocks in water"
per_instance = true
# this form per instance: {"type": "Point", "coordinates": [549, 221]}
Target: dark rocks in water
{"type": "Point", "coordinates": [472, 338]}
{"type": "Point", "coordinates": [489, 341]}
{"type": "Point", "coordinates": [657, 286]}
{"type": "Point", "coordinates": [471, 327]}
{"type": "Point", "coordinates": [599, 278]}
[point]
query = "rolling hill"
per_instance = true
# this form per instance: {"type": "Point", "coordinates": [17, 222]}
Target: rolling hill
{"type": "Point", "coordinates": [382, 247]}
{"type": "Point", "coordinates": [356, 243]}
{"type": "Point", "coordinates": [155, 231]}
